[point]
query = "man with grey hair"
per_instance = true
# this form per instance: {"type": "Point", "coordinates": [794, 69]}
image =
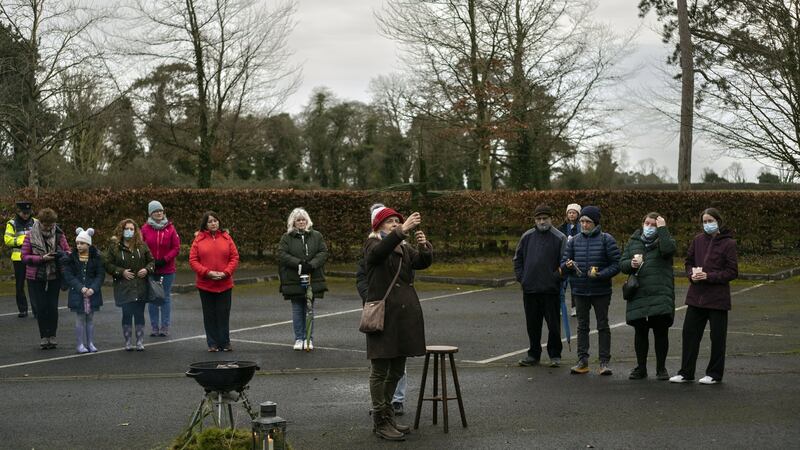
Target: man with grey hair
{"type": "Point", "coordinates": [536, 266]}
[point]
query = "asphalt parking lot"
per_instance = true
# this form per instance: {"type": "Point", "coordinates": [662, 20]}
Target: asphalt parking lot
{"type": "Point", "coordinates": [140, 400]}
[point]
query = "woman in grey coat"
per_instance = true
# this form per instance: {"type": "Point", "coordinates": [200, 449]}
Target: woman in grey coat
{"type": "Point", "coordinates": [387, 254]}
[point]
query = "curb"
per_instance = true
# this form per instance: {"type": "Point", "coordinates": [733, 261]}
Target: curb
{"type": "Point", "coordinates": [486, 282]}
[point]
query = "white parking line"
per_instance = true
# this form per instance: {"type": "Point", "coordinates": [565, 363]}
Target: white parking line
{"type": "Point", "coordinates": [29, 312]}
{"type": "Point", "coordinates": [280, 344]}
{"type": "Point", "coordinates": [616, 325]}
{"type": "Point", "coordinates": [239, 330]}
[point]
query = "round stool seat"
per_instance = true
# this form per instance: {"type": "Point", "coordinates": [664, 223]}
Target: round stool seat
{"type": "Point", "coordinates": [441, 349]}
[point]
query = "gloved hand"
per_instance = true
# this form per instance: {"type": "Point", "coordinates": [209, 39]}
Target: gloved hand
{"type": "Point", "coordinates": [306, 268]}
{"type": "Point", "coordinates": [160, 262]}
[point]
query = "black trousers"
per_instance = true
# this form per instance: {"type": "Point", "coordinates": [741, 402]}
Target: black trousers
{"type": "Point", "coordinates": [694, 326]}
{"type": "Point", "coordinates": [600, 305]}
{"type": "Point", "coordinates": [547, 307]}
{"type": "Point", "coordinates": [19, 279]}
{"type": "Point", "coordinates": [44, 297]}
{"type": "Point", "coordinates": [216, 317]}
{"type": "Point", "coordinates": [641, 342]}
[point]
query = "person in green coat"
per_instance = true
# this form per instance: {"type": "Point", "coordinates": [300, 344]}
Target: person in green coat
{"type": "Point", "coordinates": [648, 254]}
{"type": "Point", "coordinates": [302, 251]}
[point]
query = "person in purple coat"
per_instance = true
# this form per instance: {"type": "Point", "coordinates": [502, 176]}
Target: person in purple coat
{"type": "Point", "coordinates": [711, 265]}
{"type": "Point", "coordinates": [42, 249]}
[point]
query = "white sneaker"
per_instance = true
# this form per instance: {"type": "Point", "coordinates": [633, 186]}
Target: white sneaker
{"type": "Point", "coordinates": [573, 313]}
{"type": "Point", "coordinates": [679, 379]}
{"type": "Point", "coordinates": [707, 380]}
{"type": "Point", "coordinates": [298, 345]}
{"type": "Point", "coordinates": [82, 349]}
{"type": "Point", "coordinates": [309, 345]}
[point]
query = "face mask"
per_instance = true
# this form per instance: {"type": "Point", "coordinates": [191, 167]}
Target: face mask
{"type": "Point", "coordinates": [648, 232]}
{"type": "Point", "coordinates": [711, 227]}
{"type": "Point", "coordinates": [542, 227]}
{"type": "Point", "coordinates": [127, 234]}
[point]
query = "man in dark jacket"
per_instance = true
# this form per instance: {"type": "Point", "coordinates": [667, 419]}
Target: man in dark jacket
{"type": "Point", "coordinates": [592, 260]}
{"type": "Point", "coordinates": [536, 266]}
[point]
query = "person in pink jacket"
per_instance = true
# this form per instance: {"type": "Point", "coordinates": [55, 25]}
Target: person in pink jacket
{"type": "Point", "coordinates": [42, 250]}
{"type": "Point", "coordinates": [214, 258]}
{"type": "Point", "coordinates": [164, 243]}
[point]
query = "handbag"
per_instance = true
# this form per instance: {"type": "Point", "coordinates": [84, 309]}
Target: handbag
{"type": "Point", "coordinates": [631, 284]}
{"type": "Point", "coordinates": [155, 290]}
{"type": "Point", "coordinates": [374, 311]}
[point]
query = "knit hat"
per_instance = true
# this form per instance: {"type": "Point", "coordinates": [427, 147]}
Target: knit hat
{"type": "Point", "coordinates": [379, 213]}
{"type": "Point", "coordinates": [543, 210]}
{"type": "Point", "coordinates": [154, 206]}
{"type": "Point", "coordinates": [591, 212]}
{"type": "Point", "coordinates": [84, 235]}
{"type": "Point", "coordinates": [574, 207]}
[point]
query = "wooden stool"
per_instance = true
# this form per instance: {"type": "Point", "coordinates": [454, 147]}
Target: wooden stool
{"type": "Point", "coordinates": [439, 352]}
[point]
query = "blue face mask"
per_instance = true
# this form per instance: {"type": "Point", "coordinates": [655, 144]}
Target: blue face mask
{"type": "Point", "coordinates": [127, 234]}
{"type": "Point", "coordinates": [710, 227]}
{"type": "Point", "coordinates": [648, 231]}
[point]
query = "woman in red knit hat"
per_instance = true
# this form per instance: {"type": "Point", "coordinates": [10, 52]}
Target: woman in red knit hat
{"type": "Point", "coordinates": [387, 256]}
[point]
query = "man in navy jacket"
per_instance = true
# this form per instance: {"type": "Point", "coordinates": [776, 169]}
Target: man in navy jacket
{"type": "Point", "coordinates": [592, 260]}
{"type": "Point", "coordinates": [536, 266]}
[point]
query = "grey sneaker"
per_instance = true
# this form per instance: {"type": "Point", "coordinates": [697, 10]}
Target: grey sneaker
{"type": "Point", "coordinates": [604, 369]}
{"type": "Point", "coordinates": [580, 368]}
{"type": "Point", "coordinates": [555, 362]}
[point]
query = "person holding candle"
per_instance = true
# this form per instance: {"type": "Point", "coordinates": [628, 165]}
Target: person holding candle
{"type": "Point", "coordinates": [711, 264]}
{"type": "Point", "coordinates": [648, 255]}
{"type": "Point", "coordinates": [84, 274]}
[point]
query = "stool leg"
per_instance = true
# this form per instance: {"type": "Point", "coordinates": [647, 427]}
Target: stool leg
{"type": "Point", "coordinates": [422, 390]}
{"type": "Point", "coordinates": [444, 391]}
{"type": "Point", "coordinates": [458, 391]}
{"type": "Point", "coordinates": [435, 388]}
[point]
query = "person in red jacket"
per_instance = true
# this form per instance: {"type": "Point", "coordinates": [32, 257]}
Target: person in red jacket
{"type": "Point", "coordinates": [711, 265]}
{"type": "Point", "coordinates": [213, 257]}
{"type": "Point", "coordinates": [164, 243]}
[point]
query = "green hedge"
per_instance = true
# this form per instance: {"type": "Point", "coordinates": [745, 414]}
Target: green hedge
{"type": "Point", "coordinates": [458, 223]}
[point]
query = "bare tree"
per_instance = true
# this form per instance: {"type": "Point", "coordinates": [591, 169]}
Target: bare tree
{"type": "Point", "coordinates": [735, 173]}
{"type": "Point", "coordinates": [237, 51]}
{"type": "Point", "coordinates": [56, 40]}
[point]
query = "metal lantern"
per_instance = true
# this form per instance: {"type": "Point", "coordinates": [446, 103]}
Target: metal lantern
{"type": "Point", "coordinates": [269, 430]}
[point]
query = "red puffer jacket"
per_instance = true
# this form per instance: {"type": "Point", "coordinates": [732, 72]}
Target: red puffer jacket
{"type": "Point", "coordinates": [215, 252]}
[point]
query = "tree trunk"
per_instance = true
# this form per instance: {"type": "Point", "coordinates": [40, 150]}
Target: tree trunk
{"type": "Point", "coordinates": [687, 99]}
{"type": "Point", "coordinates": [481, 132]}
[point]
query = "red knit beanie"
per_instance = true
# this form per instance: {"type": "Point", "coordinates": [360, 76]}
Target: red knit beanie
{"type": "Point", "coordinates": [381, 213]}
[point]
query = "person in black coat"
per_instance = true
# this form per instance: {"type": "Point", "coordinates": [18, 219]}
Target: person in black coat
{"type": "Point", "coordinates": [536, 266]}
{"type": "Point", "coordinates": [84, 275]}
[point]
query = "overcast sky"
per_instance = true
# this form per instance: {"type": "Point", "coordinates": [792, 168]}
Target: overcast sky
{"type": "Point", "coordinates": [338, 44]}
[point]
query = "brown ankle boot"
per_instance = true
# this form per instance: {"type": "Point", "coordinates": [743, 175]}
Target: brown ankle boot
{"type": "Point", "coordinates": [383, 428]}
{"type": "Point", "coordinates": [405, 429]}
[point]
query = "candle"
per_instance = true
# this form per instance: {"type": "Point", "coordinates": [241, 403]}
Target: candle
{"type": "Point", "coordinates": [269, 440]}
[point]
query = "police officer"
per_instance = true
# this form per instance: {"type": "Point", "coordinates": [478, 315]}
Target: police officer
{"type": "Point", "coordinates": [16, 230]}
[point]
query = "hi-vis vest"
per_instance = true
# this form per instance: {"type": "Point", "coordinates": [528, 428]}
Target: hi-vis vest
{"type": "Point", "coordinates": [15, 238]}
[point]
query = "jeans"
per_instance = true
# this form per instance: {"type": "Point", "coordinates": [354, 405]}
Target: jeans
{"type": "Point", "coordinates": [216, 317]}
{"type": "Point", "coordinates": [694, 326]}
{"type": "Point", "coordinates": [383, 380]}
{"type": "Point", "coordinates": [44, 297]}
{"type": "Point", "coordinates": [133, 312]}
{"type": "Point", "coordinates": [19, 281]}
{"type": "Point", "coordinates": [547, 307]}
{"type": "Point", "coordinates": [400, 390]}
{"type": "Point", "coordinates": [600, 304]}
{"type": "Point", "coordinates": [299, 311]}
{"type": "Point", "coordinates": [165, 308]}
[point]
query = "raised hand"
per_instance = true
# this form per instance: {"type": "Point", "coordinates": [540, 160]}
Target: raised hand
{"type": "Point", "coordinates": [413, 220]}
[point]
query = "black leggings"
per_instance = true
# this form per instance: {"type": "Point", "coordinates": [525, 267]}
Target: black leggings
{"type": "Point", "coordinates": [660, 326]}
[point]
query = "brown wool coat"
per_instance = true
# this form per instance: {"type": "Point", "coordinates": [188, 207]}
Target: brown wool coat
{"type": "Point", "coordinates": [404, 327]}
